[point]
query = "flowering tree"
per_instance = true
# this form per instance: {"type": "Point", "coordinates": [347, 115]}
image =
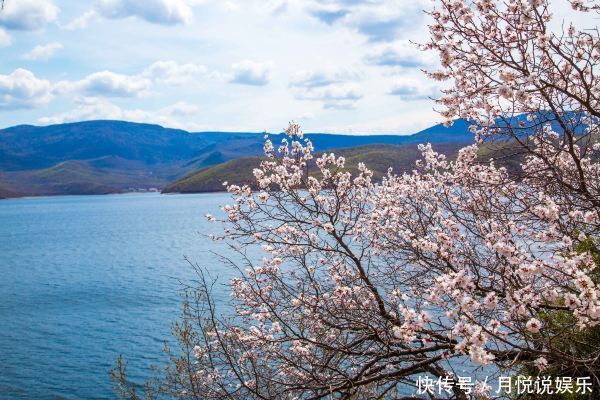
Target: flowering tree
{"type": "Point", "coordinates": [363, 286]}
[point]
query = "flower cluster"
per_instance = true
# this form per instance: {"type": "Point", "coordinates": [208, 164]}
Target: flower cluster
{"type": "Point", "coordinates": [360, 286]}
{"type": "Point", "coordinates": [359, 280]}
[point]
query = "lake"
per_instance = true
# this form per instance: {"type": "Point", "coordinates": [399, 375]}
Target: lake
{"type": "Point", "coordinates": [84, 278]}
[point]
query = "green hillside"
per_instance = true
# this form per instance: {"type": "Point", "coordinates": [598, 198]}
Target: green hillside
{"type": "Point", "coordinates": [211, 179]}
{"type": "Point", "coordinates": [376, 157]}
{"type": "Point", "coordinates": [98, 176]}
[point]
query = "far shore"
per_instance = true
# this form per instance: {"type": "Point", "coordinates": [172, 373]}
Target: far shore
{"type": "Point", "coordinates": [42, 196]}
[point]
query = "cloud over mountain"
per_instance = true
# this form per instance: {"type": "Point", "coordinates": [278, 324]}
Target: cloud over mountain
{"type": "Point", "coordinates": [22, 89]}
{"type": "Point", "coordinates": [102, 109]}
{"type": "Point", "coordinates": [106, 83]}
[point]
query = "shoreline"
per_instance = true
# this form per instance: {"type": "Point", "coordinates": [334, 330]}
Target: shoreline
{"type": "Point", "coordinates": [106, 194]}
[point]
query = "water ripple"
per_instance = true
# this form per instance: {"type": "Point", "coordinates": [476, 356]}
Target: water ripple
{"type": "Point", "coordinates": [85, 278]}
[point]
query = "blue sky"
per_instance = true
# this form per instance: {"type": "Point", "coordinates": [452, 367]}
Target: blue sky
{"type": "Point", "coordinates": [342, 66]}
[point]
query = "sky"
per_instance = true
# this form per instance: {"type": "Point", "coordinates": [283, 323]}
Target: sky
{"type": "Point", "coordinates": [339, 66]}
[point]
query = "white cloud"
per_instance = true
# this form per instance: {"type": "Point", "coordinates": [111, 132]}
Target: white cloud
{"type": "Point", "coordinates": [335, 88]}
{"type": "Point", "coordinates": [83, 20]}
{"type": "Point", "coordinates": [306, 116]}
{"type": "Point", "coordinates": [106, 83]}
{"type": "Point", "coordinates": [22, 89]}
{"type": "Point", "coordinates": [377, 20]}
{"type": "Point", "coordinates": [328, 11]}
{"type": "Point", "coordinates": [251, 73]}
{"type": "Point", "coordinates": [43, 52]}
{"type": "Point", "coordinates": [163, 12]}
{"type": "Point", "coordinates": [173, 73]}
{"type": "Point", "coordinates": [231, 6]}
{"type": "Point", "coordinates": [92, 108]}
{"type": "Point", "coordinates": [181, 109]}
{"type": "Point", "coordinates": [5, 38]}
{"type": "Point", "coordinates": [275, 6]}
{"type": "Point", "coordinates": [316, 78]}
{"type": "Point", "coordinates": [111, 84]}
{"type": "Point", "coordinates": [411, 89]}
{"type": "Point", "coordinates": [387, 21]}
{"type": "Point", "coordinates": [328, 15]}
{"type": "Point", "coordinates": [403, 121]}
{"type": "Point", "coordinates": [350, 72]}
{"type": "Point", "coordinates": [400, 54]}
{"type": "Point", "coordinates": [95, 108]}
{"type": "Point", "coordinates": [28, 15]}
{"type": "Point", "coordinates": [335, 96]}
{"type": "Point", "coordinates": [272, 7]}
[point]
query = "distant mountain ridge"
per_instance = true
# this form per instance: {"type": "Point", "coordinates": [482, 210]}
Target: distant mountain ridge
{"type": "Point", "coordinates": [106, 156]}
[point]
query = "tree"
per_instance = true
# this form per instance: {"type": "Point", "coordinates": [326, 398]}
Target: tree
{"type": "Point", "coordinates": [364, 286]}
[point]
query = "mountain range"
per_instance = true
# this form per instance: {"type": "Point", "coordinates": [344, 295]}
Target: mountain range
{"type": "Point", "coordinates": [97, 157]}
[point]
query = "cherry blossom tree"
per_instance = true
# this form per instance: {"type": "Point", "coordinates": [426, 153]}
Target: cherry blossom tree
{"type": "Point", "coordinates": [363, 286]}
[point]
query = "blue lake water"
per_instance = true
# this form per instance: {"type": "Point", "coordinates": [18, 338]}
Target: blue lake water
{"type": "Point", "coordinates": [84, 278]}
